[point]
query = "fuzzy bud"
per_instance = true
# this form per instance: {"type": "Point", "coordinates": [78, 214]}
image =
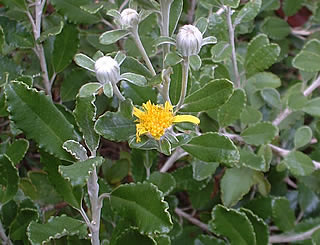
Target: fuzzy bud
{"type": "Point", "coordinates": [189, 40]}
{"type": "Point", "coordinates": [107, 69]}
{"type": "Point", "coordinates": [129, 18]}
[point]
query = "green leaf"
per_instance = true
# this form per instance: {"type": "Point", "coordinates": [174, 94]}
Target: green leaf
{"type": "Point", "coordinates": [202, 24]}
{"type": "Point", "coordinates": [264, 80]}
{"type": "Point", "coordinates": [164, 181]}
{"type": "Point", "coordinates": [136, 79]}
{"type": "Point", "coordinates": [89, 89]}
{"type": "Point", "coordinates": [235, 183]}
{"type": "Point", "coordinates": [299, 164]}
{"type": "Point", "coordinates": [71, 9]}
{"type": "Point", "coordinates": [114, 126]}
{"type": "Point", "coordinates": [275, 28]}
{"type": "Point", "coordinates": [55, 228]}
{"type": "Point", "coordinates": [133, 237]}
{"type": "Point", "coordinates": [8, 179]}
{"type": "Point", "coordinates": [282, 214]}
{"type": "Point", "coordinates": [175, 12]}
{"type": "Point", "coordinates": [230, 3]}
{"type": "Point", "coordinates": [231, 110]}
{"type": "Point", "coordinates": [250, 160]}
{"type": "Point", "coordinates": [79, 172]}
{"type": "Point", "coordinates": [75, 149]}
{"type": "Point", "coordinates": [212, 147]}
{"type": "Point", "coordinates": [260, 228]}
{"type": "Point", "coordinates": [209, 40]}
{"type": "Point", "coordinates": [65, 47]}
{"type": "Point", "coordinates": [211, 96]}
{"type": "Point", "coordinates": [248, 12]}
{"type": "Point", "coordinates": [232, 224]}
{"type": "Point", "coordinates": [172, 59]}
{"type": "Point", "coordinates": [291, 7]}
{"type": "Point", "coordinates": [118, 171]}
{"type": "Point", "coordinates": [261, 54]}
{"type": "Point", "coordinates": [272, 97]}
{"type": "Point", "coordinates": [202, 170]}
{"type": "Point", "coordinates": [195, 62]}
{"type": "Point", "coordinates": [221, 51]}
{"type": "Point", "coordinates": [312, 107]}
{"type": "Point", "coordinates": [297, 101]}
{"type": "Point", "coordinates": [35, 114]}
{"type": "Point", "coordinates": [302, 136]}
{"type": "Point", "coordinates": [150, 214]}
{"type": "Point", "coordinates": [260, 133]}
{"type": "Point", "coordinates": [175, 84]}
{"type": "Point", "coordinates": [92, 8]}
{"type": "Point", "coordinates": [108, 89]}
{"type": "Point", "coordinates": [85, 113]}
{"type": "Point", "coordinates": [250, 115]}
{"type": "Point", "coordinates": [131, 64]}
{"type": "Point", "coordinates": [138, 94]}
{"type": "Point", "coordinates": [308, 59]}
{"type": "Point", "coordinates": [268, 5]}
{"type": "Point", "coordinates": [208, 240]}
{"type": "Point", "coordinates": [110, 37]}
{"type": "Point", "coordinates": [52, 31]}
{"type": "Point", "coordinates": [2, 39]}
{"type": "Point", "coordinates": [71, 195]}
{"type": "Point", "coordinates": [16, 151]}
{"type": "Point", "coordinates": [84, 61]}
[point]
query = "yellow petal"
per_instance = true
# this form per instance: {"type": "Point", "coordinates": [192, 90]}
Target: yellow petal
{"type": "Point", "coordinates": [138, 113]}
{"type": "Point", "coordinates": [168, 106]}
{"type": "Point", "coordinates": [186, 118]}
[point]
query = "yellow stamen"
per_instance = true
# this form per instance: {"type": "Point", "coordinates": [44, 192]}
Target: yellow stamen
{"type": "Point", "coordinates": [155, 119]}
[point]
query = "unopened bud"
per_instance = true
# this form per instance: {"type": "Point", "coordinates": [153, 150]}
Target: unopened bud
{"type": "Point", "coordinates": [189, 40]}
{"type": "Point", "coordinates": [107, 69]}
{"type": "Point", "coordinates": [129, 18]}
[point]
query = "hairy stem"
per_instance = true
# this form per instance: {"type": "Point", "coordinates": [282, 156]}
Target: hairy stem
{"type": "Point", "coordinates": [165, 19]}
{"type": "Point", "coordinates": [179, 153]}
{"type": "Point", "coordinates": [117, 92]}
{"type": "Point", "coordinates": [184, 85]}
{"type": "Point", "coordinates": [231, 38]}
{"type": "Point", "coordinates": [192, 220]}
{"type": "Point", "coordinates": [3, 237]}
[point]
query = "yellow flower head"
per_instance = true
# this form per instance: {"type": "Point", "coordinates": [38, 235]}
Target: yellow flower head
{"type": "Point", "coordinates": [155, 119]}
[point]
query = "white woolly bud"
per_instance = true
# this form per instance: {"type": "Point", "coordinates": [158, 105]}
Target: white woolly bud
{"type": "Point", "coordinates": [107, 69]}
{"type": "Point", "coordinates": [189, 40]}
{"type": "Point", "coordinates": [129, 18]}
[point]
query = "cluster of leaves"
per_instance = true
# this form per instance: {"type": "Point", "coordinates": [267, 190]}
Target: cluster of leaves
{"type": "Point", "coordinates": [248, 174]}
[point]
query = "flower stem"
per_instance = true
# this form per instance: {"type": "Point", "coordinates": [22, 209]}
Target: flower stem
{"type": "Point", "coordinates": [184, 85]}
{"type": "Point", "coordinates": [117, 92]}
{"type": "Point", "coordinates": [231, 38]}
{"type": "Point", "coordinates": [165, 18]}
{"type": "Point", "coordinates": [179, 153]}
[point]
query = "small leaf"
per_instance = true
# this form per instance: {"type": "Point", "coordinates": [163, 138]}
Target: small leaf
{"type": "Point", "coordinates": [275, 28]}
{"type": "Point", "coordinates": [202, 24]}
{"type": "Point", "coordinates": [235, 183]}
{"type": "Point", "coordinates": [138, 94]}
{"type": "Point", "coordinates": [175, 13]}
{"type": "Point", "coordinates": [164, 181]}
{"type": "Point", "coordinates": [17, 150]}
{"type": "Point", "coordinates": [264, 80]}
{"type": "Point", "coordinates": [248, 12]}
{"type": "Point", "coordinates": [250, 160]}
{"type": "Point", "coordinates": [55, 228]}
{"type": "Point", "coordinates": [209, 40]}
{"type": "Point", "coordinates": [120, 57]}
{"type": "Point", "coordinates": [291, 7]}
{"type": "Point", "coordinates": [299, 163]}
{"type": "Point", "coordinates": [221, 51]}
{"type": "Point", "coordinates": [164, 40]}
{"type": "Point", "coordinates": [312, 107]}
{"type": "Point", "coordinates": [65, 47]}
{"type": "Point", "coordinates": [272, 97]}
{"type": "Point", "coordinates": [110, 37]}
{"type": "Point", "coordinates": [202, 170]}
{"type": "Point", "coordinates": [259, 134]}
{"type": "Point", "coordinates": [282, 214]}
{"type": "Point", "coordinates": [308, 59]}
{"type": "Point", "coordinates": [150, 214]}
{"type": "Point", "coordinates": [108, 89]}
{"type": "Point", "coordinates": [212, 147]}
{"type": "Point", "coordinates": [195, 62]}
{"type": "Point", "coordinates": [8, 179]}
{"type": "Point", "coordinates": [75, 149]}
{"type": "Point", "coordinates": [84, 61]}
{"type": "Point", "coordinates": [114, 126]}
{"type": "Point", "coordinates": [136, 79]}
{"type": "Point", "coordinates": [53, 31]}
{"type": "Point", "coordinates": [172, 59]}
{"type": "Point", "coordinates": [40, 120]}
{"type": "Point", "coordinates": [297, 101]}
{"type": "Point", "coordinates": [302, 136]}
{"type": "Point", "coordinates": [211, 96]}
{"type": "Point", "coordinates": [92, 8]}
{"type": "Point", "coordinates": [89, 89]}
{"type": "Point", "coordinates": [79, 172]}
{"type": "Point", "coordinates": [232, 224]}
{"type": "Point", "coordinates": [250, 115]}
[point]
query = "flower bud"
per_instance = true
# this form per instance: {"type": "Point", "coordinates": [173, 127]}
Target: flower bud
{"type": "Point", "coordinates": [129, 18]}
{"type": "Point", "coordinates": [189, 40]}
{"type": "Point", "coordinates": [107, 69]}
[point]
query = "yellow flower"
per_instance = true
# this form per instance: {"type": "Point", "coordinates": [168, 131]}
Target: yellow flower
{"type": "Point", "coordinates": [155, 119]}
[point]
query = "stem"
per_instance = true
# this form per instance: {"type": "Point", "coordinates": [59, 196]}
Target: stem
{"type": "Point", "coordinates": [179, 153]}
{"type": "Point", "coordinates": [191, 11]}
{"type": "Point", "coordinates": [192, 220]}
{"type": "Point", "coordinates": [315, 84]}
{"type": "Point", "coordinates": [93, 191]}
{"type": "Point", "coordinates": [166, 84]}
{"type": "Point", "coordinates": [184, 85]}
{"type": "Point", "coordinates": [136, 38]}
{"type": "Point", "coordinates": [4, 239]}
{"type": "Point", "coordinates": [293, 238]}
{"type": "Point", "coordinates": [117, 92]}
{"type": "Point", "coordinates": [165, 18]}
{"type": "Point", "coordinates": [231, 38]}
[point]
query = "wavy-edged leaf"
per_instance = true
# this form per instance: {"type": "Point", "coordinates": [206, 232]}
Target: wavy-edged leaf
{"type": "Point", "coordinates": [299, 163]}
{"type": "Point", "coordinates": [260, 133]}
{"type": "Point", "coordinates": [150, 214]}
{"type": "Point", "coordinates": [8, 179]}
{"type": "Point", "coordinates": [55, 228]}
{"type": "Point", "coordinates": [164, 181]}
{"type": "Point", "coordinates": [202, 170]}
{"type": "Point", "coordinates": [17, 150]}
{"type": "Point", "coordinates": [72, 9]}
{"type": "Point", "coordinates": [275, 27]}
{"type": "Point", "coordinates": [133, 237]}
{"type": "Point", "coordinates": [248, 12]}
{"type": "Point", "coordinates": [312, 107]}
{"type": "Point", "coordinates": [79, 172]}
{"type": "Point", "coordinates": [136, 79]}
{"type": "Point", "coordinates": [212, 147]}
{"type": "Point", "coordinates": [233, 224]}
{"type": "Point", "coordinates": [84, 61]}
{"type": "Point", "coordinates": [302, 136]}
{"type": "Point", "coordinates": [75, 149]}
{"type": "Point", "coordinates": [283, 216]}
{"type": "Point", "coordinates": [35, 114]}
{"type": "Point", "coordinates": [308, 59]}
{"type": "Point", "coordinates": [211, 96]}
{"type": "Point", "coordinates": [52, 31]}
{"type": "Point", "coordinates": [110, 37]}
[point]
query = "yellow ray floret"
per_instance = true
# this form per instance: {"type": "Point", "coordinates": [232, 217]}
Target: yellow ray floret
{"type": "Point", "coordinates": [155, 119]}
